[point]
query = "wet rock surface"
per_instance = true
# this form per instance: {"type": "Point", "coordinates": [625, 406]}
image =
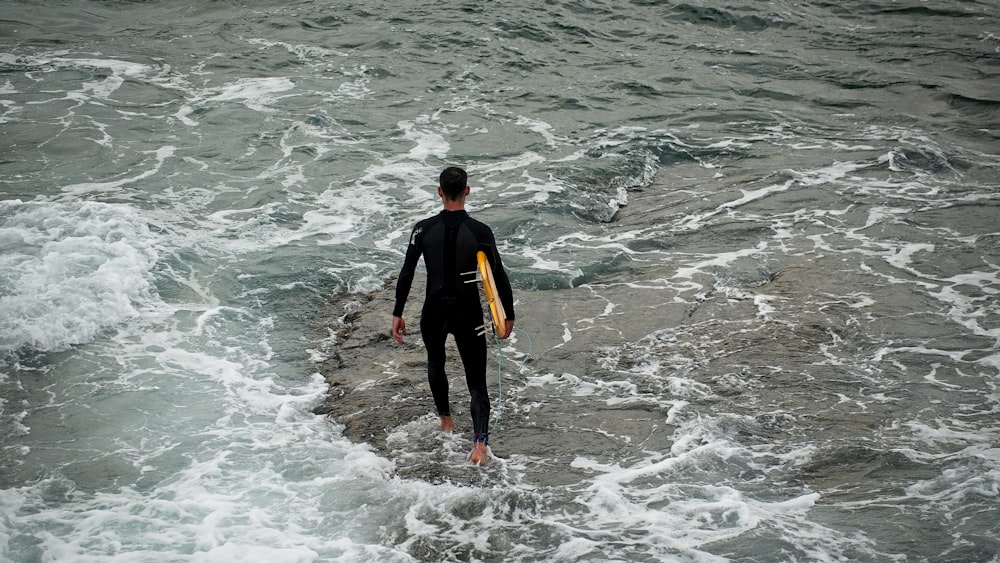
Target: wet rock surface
{"type": "Point", "coordinates": [379, 391]}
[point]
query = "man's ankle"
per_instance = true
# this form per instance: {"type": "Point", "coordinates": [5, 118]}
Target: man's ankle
{"type": "Point", "coordinates": [480, 454]}
{"type": "Point", "coordinates": [447, 425]}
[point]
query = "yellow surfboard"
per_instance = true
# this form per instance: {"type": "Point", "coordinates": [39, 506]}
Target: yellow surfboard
{"type": "Point", "coordinates": [490, 286]}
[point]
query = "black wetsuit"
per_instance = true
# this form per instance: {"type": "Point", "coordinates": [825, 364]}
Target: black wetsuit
{"type": "Point", "coordinates": [449, 242]}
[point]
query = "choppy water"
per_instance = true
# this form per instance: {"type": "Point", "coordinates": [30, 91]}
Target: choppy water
{"type": "Point", "coordinates": [183, 184]}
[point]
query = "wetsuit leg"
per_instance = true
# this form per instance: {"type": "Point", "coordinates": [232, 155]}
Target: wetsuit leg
{"type": "Point", "coordinates": [472, 348]}
{"type": "Point", "coordinates": [433, 331]}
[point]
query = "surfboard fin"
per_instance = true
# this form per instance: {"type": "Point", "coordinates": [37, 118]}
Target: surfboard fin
{"type": "Point", "coordinates": [476, 277]}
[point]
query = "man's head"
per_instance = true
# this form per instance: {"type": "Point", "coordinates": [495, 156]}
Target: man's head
{"type": "Point", "coordinates": [453, 182]}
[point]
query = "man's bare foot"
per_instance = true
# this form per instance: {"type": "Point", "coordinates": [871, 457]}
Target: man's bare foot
{"type": "Point", "coordinates": [480, 454]}
{"type": "Point", "coordinates": [447, 425]}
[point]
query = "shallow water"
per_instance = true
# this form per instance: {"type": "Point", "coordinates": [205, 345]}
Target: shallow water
{"type": "Point", "coordinates": [757, 246]}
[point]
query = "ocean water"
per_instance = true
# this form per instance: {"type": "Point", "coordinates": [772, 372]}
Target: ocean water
{"type": "Point", "coordinates": [790, 209]}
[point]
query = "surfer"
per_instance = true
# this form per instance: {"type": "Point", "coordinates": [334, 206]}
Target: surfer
{"type": "Point", "coordinates": [449, 242]}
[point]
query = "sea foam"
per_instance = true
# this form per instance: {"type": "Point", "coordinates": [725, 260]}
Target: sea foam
{"type": "Point", "coordinates": [70, 271]}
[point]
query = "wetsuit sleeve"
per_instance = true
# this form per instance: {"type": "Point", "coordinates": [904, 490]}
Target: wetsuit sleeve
{"type": "Point", "coordinates": [405, 279]}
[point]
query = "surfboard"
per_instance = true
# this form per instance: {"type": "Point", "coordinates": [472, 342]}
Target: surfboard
{"type": "Point", "coordinates": [492, 297]}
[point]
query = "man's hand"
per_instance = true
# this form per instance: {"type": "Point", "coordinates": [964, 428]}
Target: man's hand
{"type": "Point", "coordinates": [398, 329]}
{"type": "Point", "coordinates": [508, 329]}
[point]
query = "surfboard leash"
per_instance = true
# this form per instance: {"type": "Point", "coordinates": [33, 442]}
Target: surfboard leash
{"type": "Point", "coordinates": [500, 360]}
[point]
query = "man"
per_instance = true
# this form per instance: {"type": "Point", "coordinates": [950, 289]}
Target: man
{"type": "Point", "coordinates": [449, 242]}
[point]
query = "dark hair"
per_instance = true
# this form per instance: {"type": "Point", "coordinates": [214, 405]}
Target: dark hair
{"type": "Point", "coordinates": [453, 182]}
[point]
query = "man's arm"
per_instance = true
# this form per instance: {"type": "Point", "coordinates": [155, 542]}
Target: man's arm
{"type": "Point", "coordinates": [403, 284]}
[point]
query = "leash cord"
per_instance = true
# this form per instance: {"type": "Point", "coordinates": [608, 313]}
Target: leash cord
{"type": "Point", "coordinates": [500, 360]}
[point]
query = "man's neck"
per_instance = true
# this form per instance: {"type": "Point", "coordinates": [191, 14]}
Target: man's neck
{"type": "Point", "coordinates": [450, 205]}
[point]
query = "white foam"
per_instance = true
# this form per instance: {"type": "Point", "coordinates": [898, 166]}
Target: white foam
{"type": "Point", "coordinates": [542, 128]}
{"type": "Point", "coordinates": [972, 478]}
{"type": "Point", "coordinates": [820, 176]}
{"type": "Point", "coordinates": [102, 89]}
{"type": "Point", "coordinates": [71, 271]}
{"type": "Point", "coordinates": [235, 463]}
{"type": "Point", "coordinates": [226, 507]}
{"type": "Point", "coordinates": [309, 53]}
{"type": "Point", "coordinates": [720, 260]}
{"type": "Point", "coordinates": [646, 500]}
{"type": "Point", "coordinates": [969, 311]}
{"type": "Point", "coordinates": [953, 432]}
{"type": "Point", "coordinates": [258, 94]}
